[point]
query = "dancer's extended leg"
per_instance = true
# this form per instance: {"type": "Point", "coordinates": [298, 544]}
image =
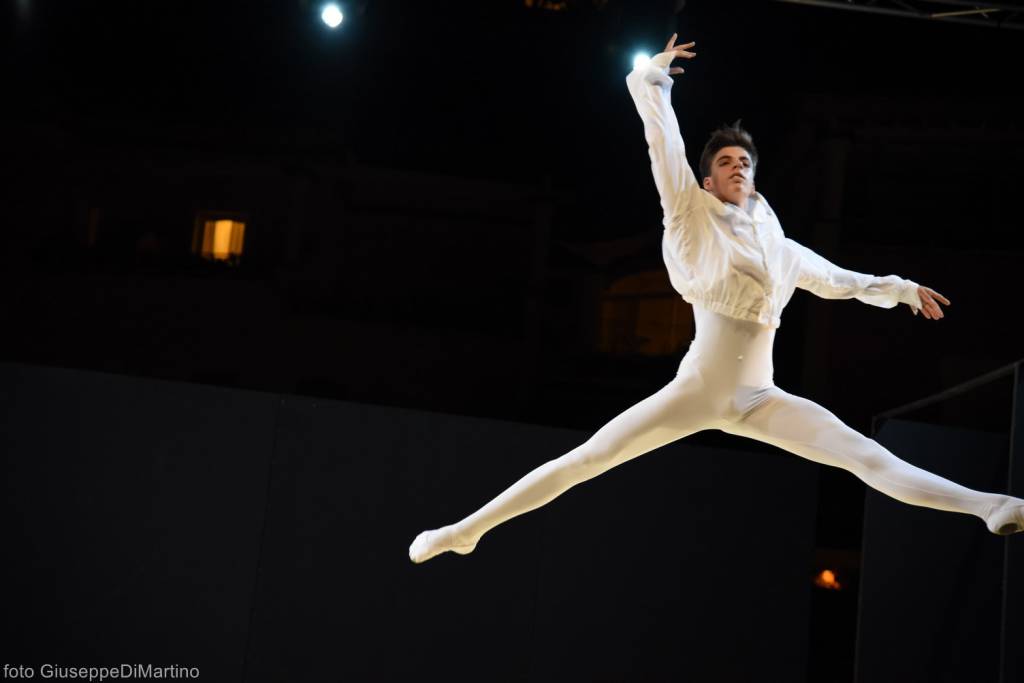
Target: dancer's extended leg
{"type": "Point", "coordinates": [674, 411]}
{"type": "Point", "coordinates": [805, 428]}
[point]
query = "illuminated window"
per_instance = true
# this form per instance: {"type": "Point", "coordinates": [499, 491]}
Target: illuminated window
{"type": "Point", "coordinates": [642, 314]}
{"type": "Point", "coordinates": [219, 237]}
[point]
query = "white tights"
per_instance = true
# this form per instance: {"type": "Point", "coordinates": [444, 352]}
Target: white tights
{"type": "Point", "coordinates": [725, 382]}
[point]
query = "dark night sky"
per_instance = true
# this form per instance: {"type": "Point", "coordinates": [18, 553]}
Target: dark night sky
{"type": "Point", "coordinates": [487, 89]}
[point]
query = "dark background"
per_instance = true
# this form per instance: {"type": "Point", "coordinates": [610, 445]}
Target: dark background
{"type": "Point", "coordinates": [448, 204]}
{"type": "Point", "coordinates": [500, 90]}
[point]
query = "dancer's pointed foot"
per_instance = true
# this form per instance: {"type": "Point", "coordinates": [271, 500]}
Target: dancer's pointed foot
{"type": "Point", "coordinates": [1008, 519]}
{"type": "Point", "coordinates": [437, 541]}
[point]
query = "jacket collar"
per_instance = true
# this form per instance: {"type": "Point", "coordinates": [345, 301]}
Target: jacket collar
{"type": "Point", "coordinates": [761, 211]}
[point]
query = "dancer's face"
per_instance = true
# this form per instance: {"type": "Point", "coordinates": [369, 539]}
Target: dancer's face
{"type": "Point", "coordinates": [732, 176]}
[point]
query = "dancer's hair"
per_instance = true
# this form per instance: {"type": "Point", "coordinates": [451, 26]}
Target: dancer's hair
{"type": "Point", "coordinates": [727, 136]}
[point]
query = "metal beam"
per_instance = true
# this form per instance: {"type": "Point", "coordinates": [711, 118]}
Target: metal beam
{"type": "Point", "coordinates": [988, 14]}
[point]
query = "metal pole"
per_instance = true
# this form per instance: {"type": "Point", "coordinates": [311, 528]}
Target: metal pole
{"type": "Point", "coordinates": [1012, 626]}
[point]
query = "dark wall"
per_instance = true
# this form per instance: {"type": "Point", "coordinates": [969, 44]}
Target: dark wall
{"type": "Point", "coordinates": [132, 516]}
{"type": "Point", "coordinates": [264, 537]}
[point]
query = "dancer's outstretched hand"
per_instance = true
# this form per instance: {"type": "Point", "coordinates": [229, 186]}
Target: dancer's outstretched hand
{"type": "Point", "coordinates": [930, 303]}
{"type": "Point", "coordinates": [679, 51]}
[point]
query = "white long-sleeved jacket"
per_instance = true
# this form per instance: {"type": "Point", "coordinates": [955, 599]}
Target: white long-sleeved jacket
{"type": "Point", "coordinates": [720, 256]}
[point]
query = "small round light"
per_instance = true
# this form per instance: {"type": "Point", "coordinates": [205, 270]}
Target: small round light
{"type": "Point", "coordinates": [332, 15]}
{"type": "Point", "coordinates": [640, 59]}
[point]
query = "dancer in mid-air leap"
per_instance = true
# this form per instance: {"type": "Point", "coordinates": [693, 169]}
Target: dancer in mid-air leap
{"type": "Point", "coordinates": [726, 255]}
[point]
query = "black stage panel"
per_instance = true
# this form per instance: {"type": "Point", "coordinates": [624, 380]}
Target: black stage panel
{"type": "Point", "coordinates": [264, 538]}
{"type": "Point", "coordinates": [932, 580]}
{"type": "Point", "coordinates": [688, 564]}
{"type": "Point", "coordinates": [132, 514]}
{"type": "Point", "coordinates": [353, 485]}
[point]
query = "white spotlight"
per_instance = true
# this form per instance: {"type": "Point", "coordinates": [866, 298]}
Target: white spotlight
{"type": "Point", "coordinates": [332, 15]}
{"type": "Point", "coordinates": [640, 59]}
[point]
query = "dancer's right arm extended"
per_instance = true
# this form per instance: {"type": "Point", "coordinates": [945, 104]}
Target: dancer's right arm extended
{"type": "Point", "coordinates": [650, 86]}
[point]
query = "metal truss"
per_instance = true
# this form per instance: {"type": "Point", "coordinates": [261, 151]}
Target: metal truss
{"type": "Point", "coordinates": [1003, 14]}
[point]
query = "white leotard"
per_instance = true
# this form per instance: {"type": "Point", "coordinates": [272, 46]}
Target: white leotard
{"type": "Point", "coordinates": [725, 381]}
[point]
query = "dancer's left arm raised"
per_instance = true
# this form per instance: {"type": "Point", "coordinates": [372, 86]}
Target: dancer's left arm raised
{"type": "Point", "coordinates": [827, 280]}
{"type": "Point", "coordinates": [650, 86]}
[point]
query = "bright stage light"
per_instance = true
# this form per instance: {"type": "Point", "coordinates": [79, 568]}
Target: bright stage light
{"type": "Point", "coordinates": [640, 59]}
{"type": "Point", "coordinates": [332, 15]}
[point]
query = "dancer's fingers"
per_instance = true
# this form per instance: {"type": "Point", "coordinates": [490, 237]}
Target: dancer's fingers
{"type": "Point", "coordinates": [668, 45]}
{"type": "Point", "coordinates": [932, 306]}
{"type": "Point", "coordinates": [932, 292]}
{"type": "Point", "coordinates": [675, 70]}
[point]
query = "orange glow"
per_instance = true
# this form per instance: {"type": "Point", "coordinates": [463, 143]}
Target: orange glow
{"type": "Point", "coordinates": [560, 5]}
{"type": "Point", "coordinates": [827, 579]}
{"type": "Point", "coordinates": [641, 314]}
{"type": "Point", "coordinates": [547, 4]}
{"type": "Point", "coordinates": [222, 239]}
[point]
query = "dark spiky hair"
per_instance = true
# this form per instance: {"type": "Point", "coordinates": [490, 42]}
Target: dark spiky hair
{"type": "Point", "coordinates": [727, 136]}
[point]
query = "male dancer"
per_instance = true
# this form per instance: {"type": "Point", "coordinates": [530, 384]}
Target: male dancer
{"type": "Point", "coordinates": [727, 256]}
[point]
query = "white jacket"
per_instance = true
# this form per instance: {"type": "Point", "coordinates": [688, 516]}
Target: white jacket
{"type": "Point", "coordinates": [718, 255]}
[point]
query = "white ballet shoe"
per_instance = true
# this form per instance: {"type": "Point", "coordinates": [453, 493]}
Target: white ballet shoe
{"type": "Point", "coordinates": [1006, 520]}
{"type": "Point", "coordinates": [435, 542]}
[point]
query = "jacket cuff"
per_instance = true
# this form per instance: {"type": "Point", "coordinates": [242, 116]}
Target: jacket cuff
{"type": "Point", "coordinates": [662, 60]}
{"type": "Point", "coordinates": [909, 294]}
{"type": "Point", "coordinates": [656, 70]}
